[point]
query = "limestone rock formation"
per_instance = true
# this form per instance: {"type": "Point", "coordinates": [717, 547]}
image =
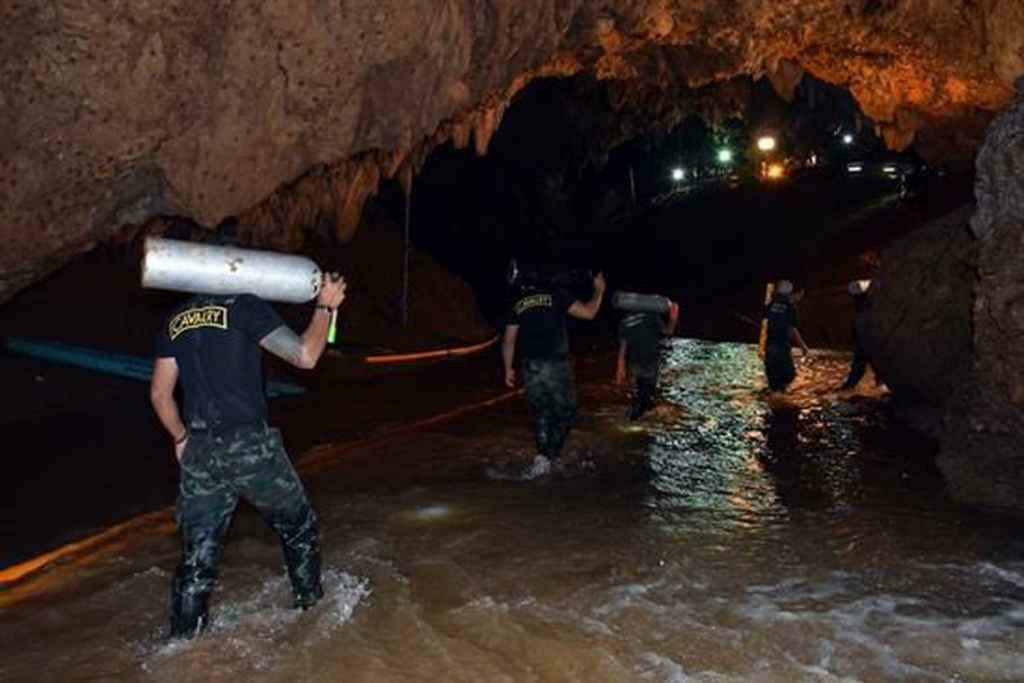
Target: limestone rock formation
{"type": "Point", "coordinates": [114, 112]}
{"type": "Point", "coordinates": [947, 324]}
{"type": "Point", "coordinates": [983, 449]}
{"type": "Point", "coordinates": [919, 332]}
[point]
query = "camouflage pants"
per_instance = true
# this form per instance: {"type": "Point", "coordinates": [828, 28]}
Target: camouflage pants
{"type": "Point", "coordinates": [645, 382]}
{"type": "Point", "coordinates": [217, 469]}
{"type": "Point", "coordinates": [551, 396]}
{"type": "Point", "coordinates": [778, 367]}
{"type": "Point", "coordinates": [858, 366]}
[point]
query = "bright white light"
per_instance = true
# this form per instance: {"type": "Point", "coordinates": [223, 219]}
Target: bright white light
{"type": "Point", "coordinates": [678, 174]}
{"type": "Point", "coordinates": [430, 513]}
{"type": "Point", "coordinates": [855, 168]}
{"type": "Point", "coordinates": [766, 143]}
{"type": "Point", "coordinates": [889, 169]}
{"type": "Point", "coordinates": [847, 139]}
{"type": "Point", "coordinates": [724, 155]}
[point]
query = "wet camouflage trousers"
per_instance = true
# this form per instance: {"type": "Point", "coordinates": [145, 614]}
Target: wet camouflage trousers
{"type": "Point", "coordinates": [778, 367]}
{"type": "Point", "coordinates": [645, 381]}
{"type": "Point", "coordinates": [551, 396]}
{"type": "Point", "coordinates": [859, 364]}
{"type": "Point", "coordinates": [217, 469]}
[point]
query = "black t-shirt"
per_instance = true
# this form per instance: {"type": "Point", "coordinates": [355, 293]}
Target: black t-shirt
{"type": "Point", "coordinates": [641, 332]}
{"type": "Point", "coordinates": [782, 317]}
{"type": "Point", "coordinates": [215, 341]}
{"type": "Point", "coordinates": [540, 314]}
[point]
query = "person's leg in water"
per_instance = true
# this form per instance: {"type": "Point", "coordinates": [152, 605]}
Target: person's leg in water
{"type": "Point", "coordinates": [563, 396]}
{"type": "Point", "coordinates": [778, 367]}
{"type": "Point", "coordinates": [206, 504]}
{"type": "Point", "coordinates": [267, 480]}
{"type": "Point", "coordinates": [858, 366]}
{"type": "Point", "coordinates": [645, 376]}
{"type": "Point", "coordinates": [551, 397]}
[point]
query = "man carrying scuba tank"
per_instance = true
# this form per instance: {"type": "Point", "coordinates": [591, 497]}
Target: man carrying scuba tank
{"type": "Point", "coordinates": [536, 334]}
{"type": "Point", "coordinates": [212, 346]}
{"type": "Point", "coordinates": [645, 318]}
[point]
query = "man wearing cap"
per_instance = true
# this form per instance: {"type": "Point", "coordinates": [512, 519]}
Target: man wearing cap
{"type": "Point", "coordinates": [782, 332]}
{"type": "Point", "coordinates": [536, 333]}
{"type": "Point", "coordinates": [858, 289]}
{"type": "Point", "coordinates": [223, 444]}
{"type": "Point", "coordinates": [639, 333]}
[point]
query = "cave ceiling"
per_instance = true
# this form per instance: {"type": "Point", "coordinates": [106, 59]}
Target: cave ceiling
{"type": "Point", "coordinates": [117, 111]}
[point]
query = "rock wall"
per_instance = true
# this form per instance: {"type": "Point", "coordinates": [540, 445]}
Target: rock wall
{"type": "Point", "coordinates": [983, 448]}
{"type": "Point", "coordinates": [948, 321]}
{"type": "Point", "coordinates": [919, 333]}
{"type": "Point", "coordinates": [115, 111]}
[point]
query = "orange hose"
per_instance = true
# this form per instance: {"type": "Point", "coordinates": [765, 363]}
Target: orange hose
{"type": "Point", "coordinates": [311, 461]}
{"type": "Point", "coordinates": [430, 355]}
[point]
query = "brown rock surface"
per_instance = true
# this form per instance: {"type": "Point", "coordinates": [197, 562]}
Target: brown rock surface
{"type": "Point", "coordinates": [983, 449]}
{"type": "Point", "coordinates": [947, 325]}
{"type": "Point", "coordinates": [919, 333]}
{"type": "Point", "coordinates": [113, 112]}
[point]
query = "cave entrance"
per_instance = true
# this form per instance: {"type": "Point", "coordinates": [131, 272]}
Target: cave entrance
{"type": "Point", "coordinates": [703, 195]}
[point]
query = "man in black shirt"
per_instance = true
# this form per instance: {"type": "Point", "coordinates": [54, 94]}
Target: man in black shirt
{"type": "Point", "coordinates": [639, 334]}
{"type": "Point", "coordinates": [537, 332]}
{"type": "Point", "coordinates": [223, 444]}
{"type": "Point", "coordinates": [783, 330]}
{"type": "Point", "coordinates": [858, 289]}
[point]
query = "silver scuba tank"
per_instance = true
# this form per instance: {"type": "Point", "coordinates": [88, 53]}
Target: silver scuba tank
{"type": "Point", "coordinates": [640, 303]}
{"type": "Point", "coordinates": [208, 269]}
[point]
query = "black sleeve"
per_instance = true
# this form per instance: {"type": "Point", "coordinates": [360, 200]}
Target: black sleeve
{"type": "Point", "coordinates": [163, 348]}
{"type": "Point", "coordinates": [513, 317]}
{"type": "Point", "coordinates": [564, 300]}
{"type": "Point", "coordinates": [794, 317]}
{"type": "Point", "coordinates": [255, 317]}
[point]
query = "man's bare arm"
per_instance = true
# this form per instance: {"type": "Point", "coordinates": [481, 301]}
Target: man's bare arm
{"type": "Point", "coordinates": [508, 353]}
{"type": "Point", "coordinates": [669, 326]}
{"type": "Point", "coordinates": [305, 351]}
{"type": "Point", "coordinates": [161, 395]}
{"type": "Point", "coordinates": [302, 352]}
{"type": "Point", "coordinates": [620, 364]}
{"type": "Point", "coordinates": [588, 310]}
{"type": "Point", "coordinates": [796, 336]}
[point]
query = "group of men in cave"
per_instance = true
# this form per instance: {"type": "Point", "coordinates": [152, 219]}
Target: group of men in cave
{"type": "Point", "coordinates": [226, 449]}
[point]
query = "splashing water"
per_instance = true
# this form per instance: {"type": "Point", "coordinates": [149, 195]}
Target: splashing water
{"type": "Point", "coordinates": [728, 536]}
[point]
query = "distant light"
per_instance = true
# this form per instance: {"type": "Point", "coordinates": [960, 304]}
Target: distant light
{"type": "Point", "coordinates": [766, 143]}
{"type": "Point", "coordinates": [889, 169]}
{"type": "Point", "coordinates": [847, 139]}
{"type": "Point", "coordinates": [724, 155]}
{"type": "Point", "coordinates": [429, 513]}
{"type": "Point", "coordinates": [855, 168]}
{"type": "Point", "coordinates": [814, 160]}
{"type": "Point", "coordinates": [678, 174]}
{"type": "Point", "coordinates": [776, 171]}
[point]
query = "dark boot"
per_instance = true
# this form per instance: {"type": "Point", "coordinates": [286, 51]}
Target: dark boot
{"type": "Point", "coordinates": [189, 612]}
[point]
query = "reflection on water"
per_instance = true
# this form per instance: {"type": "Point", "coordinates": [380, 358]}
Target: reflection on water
{"type": "Point", "coordinates": [728, 537]}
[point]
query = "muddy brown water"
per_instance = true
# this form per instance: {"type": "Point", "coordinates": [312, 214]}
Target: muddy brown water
{"type": "Point", "coordinates": [728, 537]}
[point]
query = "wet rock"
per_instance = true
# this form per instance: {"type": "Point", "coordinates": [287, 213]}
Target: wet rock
{"type": "Point", "coordinates": [947, 323]}
{"type": "Point", "coordinates": [919, 335]}
{"type": "Point", "coordinates": [982, 453]}
{"type": "Point", "coordinates": [111, 117]}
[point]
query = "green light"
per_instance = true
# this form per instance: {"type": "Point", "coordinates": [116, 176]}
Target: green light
{"type": "Point", "coordinates": [724, 155]}
{"type": "Point", "coordinates": [332, 328]}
